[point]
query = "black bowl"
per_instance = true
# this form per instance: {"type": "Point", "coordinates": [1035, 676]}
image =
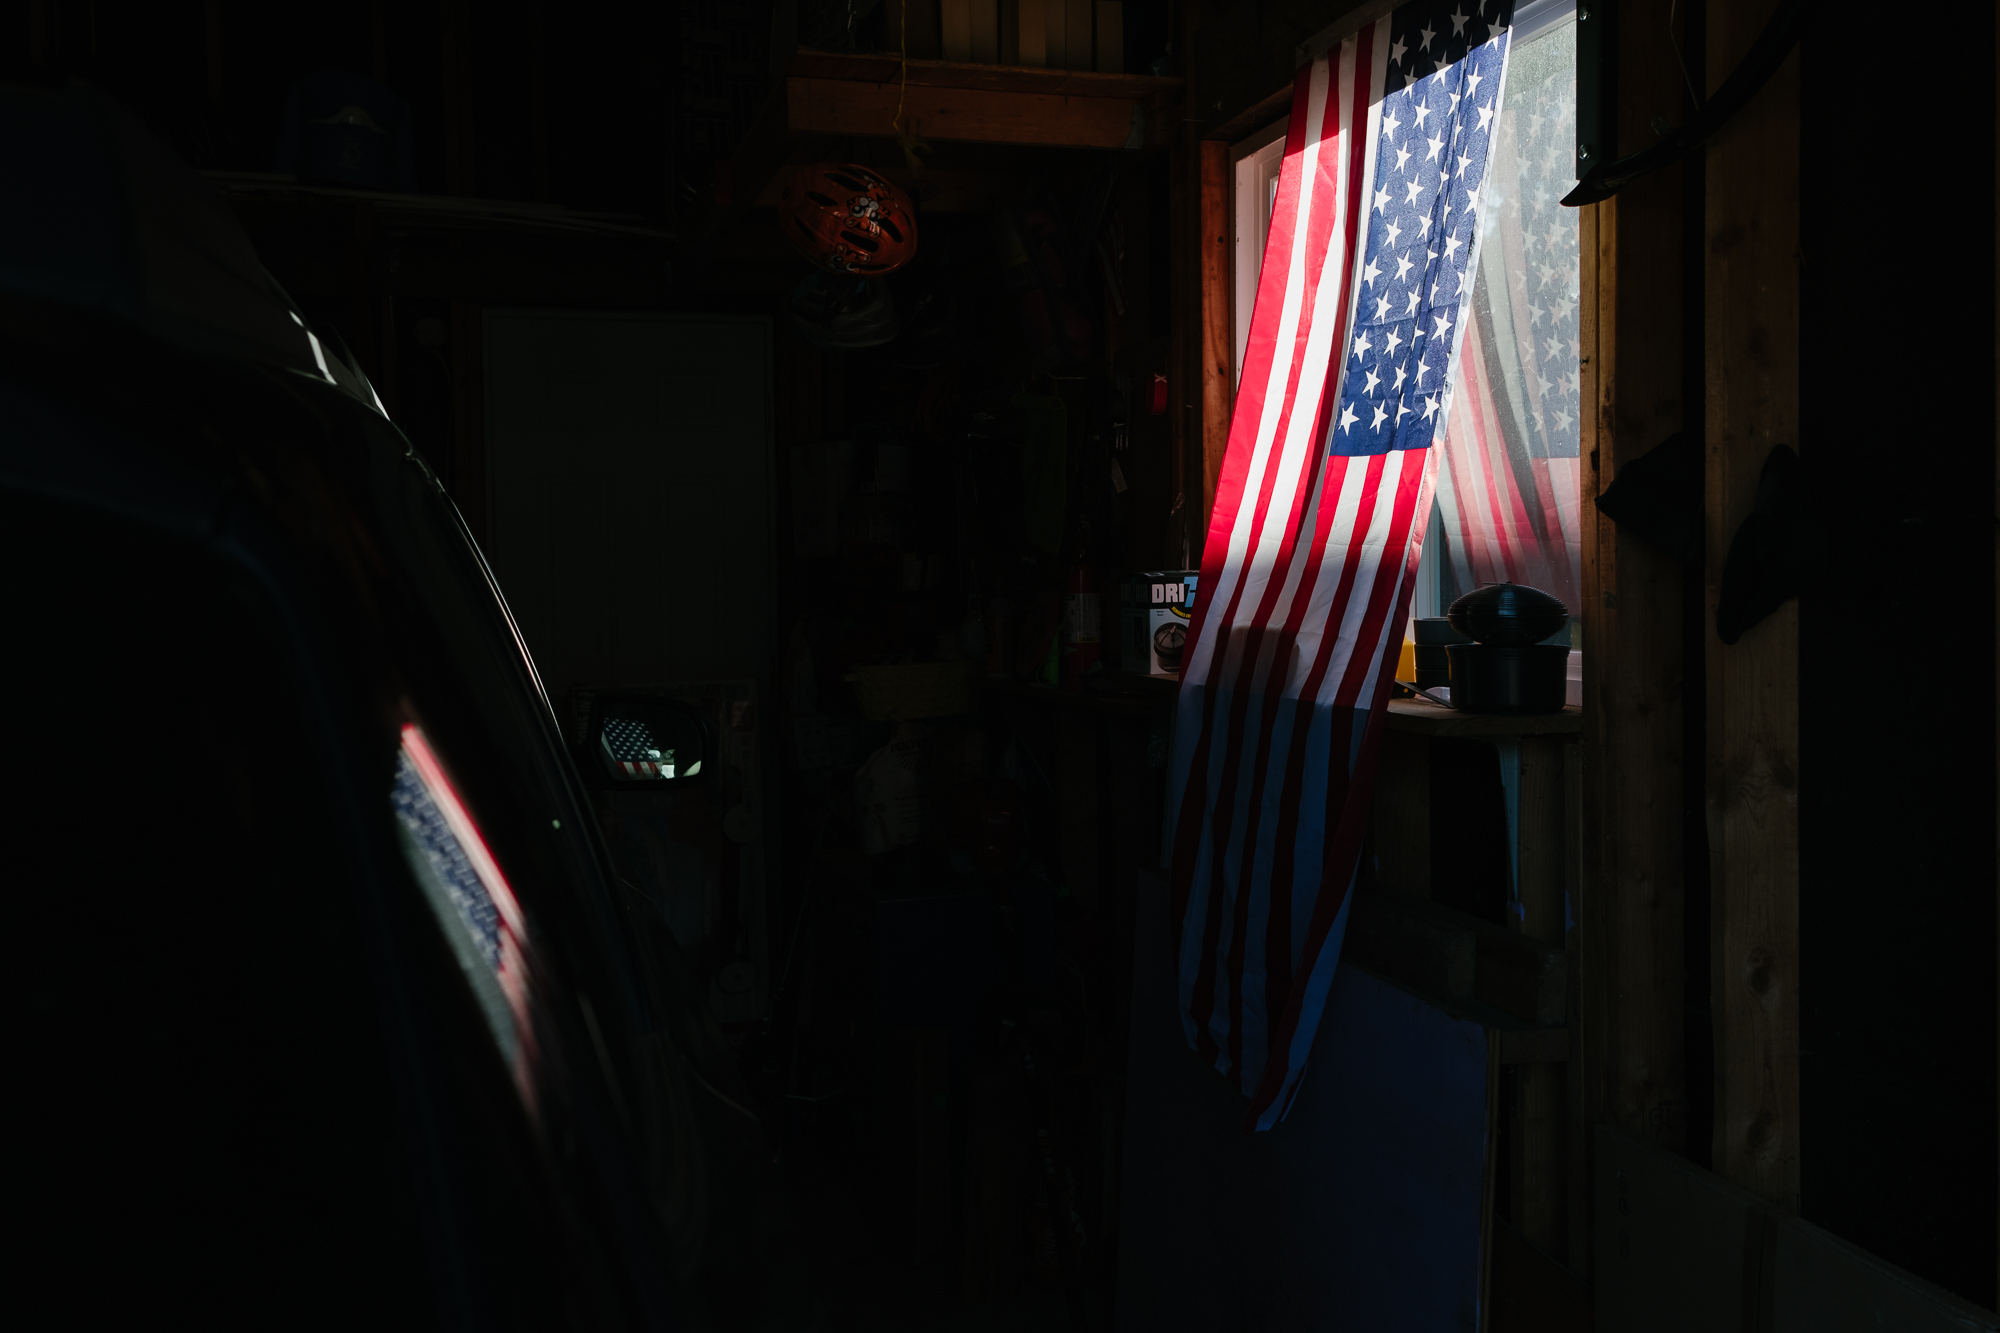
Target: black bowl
{"type": "Point", "coordinates": [1508, 615]}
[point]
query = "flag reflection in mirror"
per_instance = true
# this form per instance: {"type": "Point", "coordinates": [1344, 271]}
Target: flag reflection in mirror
{"type": "Point", "coordinates": [647, 741]}
{"type": "Point", "coordinates": [473, 903]}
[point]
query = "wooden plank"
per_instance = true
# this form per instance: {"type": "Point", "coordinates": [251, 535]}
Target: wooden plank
{"type": "Point", "coordinates": [955, 29]}
{"type": "Point", "coordinates": [1630, 902]}
{"type": "Point", "coordinates": [1184, 519]}
{"type": "Point", "coordinates": [1522, 977]}
{"type": "Point", "coordinates": [1276, 106]}
{"type": "Point", "coordinates": [1390, 934]}
{"type": "Point", "coordinates": [911, 26]}
{"type": "Point", "coordinates": [1576, 1127]}
{"type": "Point", "coordinates": [1031, 36]}
{"type": "Point", "coordinates": [1186, 338]}
{"type": "Point", "coordinates": [1540, 1170]}
{"type": "Point", "coordinates": [1540, 1203]}
{"type": "Point", "coordinates": [985, 32]}
{"type": "Point", "coordinates": [1049, 120]}
{"type": "Point", "coordinates": [1076, 46]}
{"type": "Point", "coordinates": [1752, 342]}
{"type": "Point", "coordinates": [1542, 859]}
{"type": "Point", "coordinates": [872, 67]}
{"type": "Point", "coordinates": [1215, 316]}
{"type": "Point", "coordinates": [1519, 979]}
{"type": "Point", "coordinates": [1533, 1046]}
{"type": "Point", "coordinates": [1109, 56]}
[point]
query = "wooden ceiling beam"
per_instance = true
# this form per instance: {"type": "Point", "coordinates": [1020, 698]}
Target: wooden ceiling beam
{"type": "Point", "coordinates": [1046, 120]}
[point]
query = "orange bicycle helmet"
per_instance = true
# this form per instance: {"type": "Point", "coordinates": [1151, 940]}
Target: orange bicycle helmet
{"type": "Point", "coordinates": [848, 219]}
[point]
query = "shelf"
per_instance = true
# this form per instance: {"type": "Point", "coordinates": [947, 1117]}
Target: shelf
{"type": "Point", "coordinates": [884, 68]}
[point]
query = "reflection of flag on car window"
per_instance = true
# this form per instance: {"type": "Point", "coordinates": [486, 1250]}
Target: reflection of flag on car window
{"type": "Point", "coordinates": [1313, 543]}
{"type": "Point", "coordinates": [632, 751]}
{"type": "Point", "coordinates": [473, 903]}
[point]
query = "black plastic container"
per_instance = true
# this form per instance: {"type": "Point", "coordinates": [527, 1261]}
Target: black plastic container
{"type": "Point", "coordinates": [1498, 678]}
{"type": "Point", "coordinates": [1508, 615]}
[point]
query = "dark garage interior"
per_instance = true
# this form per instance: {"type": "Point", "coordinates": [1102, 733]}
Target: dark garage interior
{"type": "Point", "coordinates": [906, 665]}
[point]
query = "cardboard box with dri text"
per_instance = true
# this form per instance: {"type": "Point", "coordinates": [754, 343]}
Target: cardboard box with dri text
{"type": "Point", "coordinates": [1155, 610]}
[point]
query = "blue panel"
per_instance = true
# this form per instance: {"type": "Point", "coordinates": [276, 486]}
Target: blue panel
{"type": "Point", "coordinates": [1360, 1211]}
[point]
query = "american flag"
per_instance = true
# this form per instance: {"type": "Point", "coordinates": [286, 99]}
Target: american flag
{"type": "Point", "coordinates": [1507, 477]}
{"type": "Point", "coordinates": [1314, 539]}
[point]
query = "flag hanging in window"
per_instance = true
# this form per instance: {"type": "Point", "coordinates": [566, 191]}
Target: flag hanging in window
{"type": "Point", "coordinates": [1313, 543]}
{"type": "Point", "coordinates": [1507, 485]}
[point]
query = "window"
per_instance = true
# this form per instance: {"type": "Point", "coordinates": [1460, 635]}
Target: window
{"type": "Point", "coordinates": [1507, 477]}
{"type": "Point", "coordinates": [1507, 484]}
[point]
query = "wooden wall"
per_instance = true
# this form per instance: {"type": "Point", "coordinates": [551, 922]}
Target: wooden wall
{"type": "Point", "coordinates": [1753, 698]}
{"type": "Point", "coordinates": [1630, 946]}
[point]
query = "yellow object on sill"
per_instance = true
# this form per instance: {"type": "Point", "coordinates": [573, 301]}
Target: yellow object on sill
{"type": "Point", "coordinates": [1406, 661]}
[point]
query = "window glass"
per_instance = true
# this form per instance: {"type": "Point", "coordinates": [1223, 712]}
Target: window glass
{"type": "Point", "coordinates": [1507, 488]}
{"type": "Point", "coordinates": [1508, 481]}
{"type": "Point", "coordinates": [1258, 162]}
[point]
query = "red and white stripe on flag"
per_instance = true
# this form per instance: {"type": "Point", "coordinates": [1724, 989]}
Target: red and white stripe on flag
{"type": "Point", "coordinates": [1313, 544]}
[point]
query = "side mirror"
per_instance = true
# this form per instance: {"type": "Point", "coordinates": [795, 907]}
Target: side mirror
{"type": "Point", "coordinates": [636, 741]}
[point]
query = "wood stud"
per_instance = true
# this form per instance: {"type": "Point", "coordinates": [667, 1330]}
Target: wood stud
{"type": "Point", "coordinates": [1752, 340]}
{"type": "Point", "coordinates": [1630, 901]}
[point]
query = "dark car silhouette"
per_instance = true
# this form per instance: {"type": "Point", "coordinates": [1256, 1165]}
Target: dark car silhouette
{"type": "Point", "coordinates": [323, 1006]}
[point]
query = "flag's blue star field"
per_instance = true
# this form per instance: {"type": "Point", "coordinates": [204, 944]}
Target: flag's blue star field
{"type": "Point", "coordinates": [1440, 99]}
